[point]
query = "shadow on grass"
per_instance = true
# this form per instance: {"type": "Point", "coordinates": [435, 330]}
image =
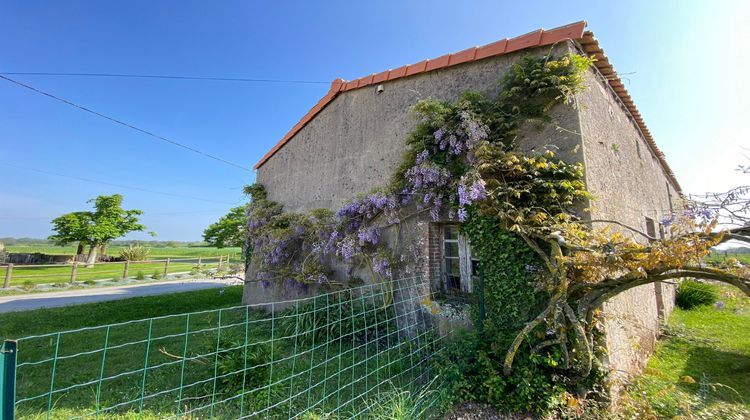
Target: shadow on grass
{"type": "Point", "coordinates": [727, 374]}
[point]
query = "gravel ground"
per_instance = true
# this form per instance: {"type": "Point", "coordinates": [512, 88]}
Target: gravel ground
{"type": "Point", "coordinates": [481, 411]}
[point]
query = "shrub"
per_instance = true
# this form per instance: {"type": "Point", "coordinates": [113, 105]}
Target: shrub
{"type": "Point", "coordinates": [116, 278]}
{"type": "Point", "coordinates": [157, 274]}
{"type": "Point", "coordinates": [691, 294]}
{"type": "Point", "coordinates": [28, 285]}
{"type": "Point", "coordinates": [89, 282]}
{"type": "Point", "coordinates": [134, 253]}
{"type": "Point", "coordinates": [140, 276]}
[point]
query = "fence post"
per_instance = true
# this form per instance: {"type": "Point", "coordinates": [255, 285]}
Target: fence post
{"type": "Point", "coordinates": [7, 379]}
{"type": "Point", "coordinates": [481, 297]}
{"type": "Point", "coordinates": [125, 270]}
{"type": "Point", "coordinates": [166, 267]}
{"type": "Point", "coordinates": [199, 261]}
{"type": "Point", "coordinates": [221, 260]}
{"type": "Point", "coordinates": [73, 272]}
{"type": "Point", "coordinates": [8, 274]}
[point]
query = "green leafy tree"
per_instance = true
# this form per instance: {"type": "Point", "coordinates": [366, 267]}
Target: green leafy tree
{"type": "Point", "coordinates": [230, 230]}
{"type": "Point", "coordinates": [71, 228]}
{"type": "Point", "coordinates": [96, 228]}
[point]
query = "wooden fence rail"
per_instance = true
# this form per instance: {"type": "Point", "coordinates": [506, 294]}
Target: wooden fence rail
{"type": "Point", "coordinates": [37, 271]}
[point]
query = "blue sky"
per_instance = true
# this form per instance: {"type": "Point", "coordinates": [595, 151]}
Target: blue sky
{"type": "Point", "coordinates": [683, 61]}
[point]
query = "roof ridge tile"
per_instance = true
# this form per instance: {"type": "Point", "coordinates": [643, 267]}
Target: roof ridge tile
{"type": "Point", "coordinates": [573, 31]}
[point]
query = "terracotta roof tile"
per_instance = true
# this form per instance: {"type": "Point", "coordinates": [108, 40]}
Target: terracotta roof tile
{"type": "Point", "coordinates": [463, 56]}
{"type": "Point", "coordinates": [496, 48]}
{"type": "Point", "coordinates": [531, 39]}
{"type": "Point", "coordinates": [437, 63]}
{"type": "Point", "coordinates": [399, 72]}
{"type": "Point", "coordinates": [380, 77]}
{"type": "Point", "coordinates": [416, 68]}
{"type": "Point", "coordinates": [573, 31]}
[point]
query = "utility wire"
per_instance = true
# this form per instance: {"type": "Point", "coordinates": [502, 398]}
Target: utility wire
{"type": "Point", "coordinates": [132, 127]}
{"type": "Point", "coordinates": [42, 171]}
{"type": "Point", "coordinates": [145, 214]}
{"type": "Point", "coordinates": [159, 76]}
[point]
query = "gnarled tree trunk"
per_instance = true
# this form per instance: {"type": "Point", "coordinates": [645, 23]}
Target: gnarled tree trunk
{"type": "Point", "coordinates": [91, 259]}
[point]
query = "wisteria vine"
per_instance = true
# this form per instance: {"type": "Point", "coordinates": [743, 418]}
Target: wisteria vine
{"type": "Point", "coordinates": [441, 173]}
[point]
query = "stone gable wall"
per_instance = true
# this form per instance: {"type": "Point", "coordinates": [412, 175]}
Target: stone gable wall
{"type": "Point", "coordinates": [628, 185]}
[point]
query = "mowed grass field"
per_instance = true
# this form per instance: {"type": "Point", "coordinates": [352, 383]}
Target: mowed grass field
{"type": "Point", "coordinates": [61, 273]}
{"type": "Point", "coordinates": [114, 250]}
{"type": "Point", "coordinates": [183, 259]}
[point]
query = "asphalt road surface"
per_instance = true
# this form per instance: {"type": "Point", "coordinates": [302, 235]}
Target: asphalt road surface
{"type": "Point", "coordinates": [102, 294]}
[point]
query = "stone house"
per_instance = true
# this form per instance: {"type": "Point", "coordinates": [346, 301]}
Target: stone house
{"type": "Point", "coordinates": [351, 141]}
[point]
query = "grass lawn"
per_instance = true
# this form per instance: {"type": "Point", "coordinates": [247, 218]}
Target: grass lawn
{"type": "Point", "coordinates": [42, 321]}
{"type": "Point", "coordinates": [113, 250]}
{"type": "Point", "coordinates": [60, 273]}
{"type": "Point", "coordinates": [702, 366]}
{"type": "Point", "coordinates": [296, 359]}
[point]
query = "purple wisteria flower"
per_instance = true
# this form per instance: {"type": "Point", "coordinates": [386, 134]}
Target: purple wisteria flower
{"type": "Point", "coordinates": [475, 131]}
{"type": "Point", "coordinates": [358, 211]}
{"type": "Point", "coordinates": [477, 191]}
{"type": "Point", "coordinates": [427, 175]}
{"type": "Point", "coordinates": [347, 248]}
{"type": "Point", "coordinates": [369, 235]}
{"type": "Point", "coordinates": [463, 195]}
{"type": "Point", "coordinates": [439, 134]}
{"type": "Point", "coordinates": [330, 245]}
{"type": "Point", "coordinates": [422, 157]}
{"type": "Point", "coordinates": [699, 213]}
{"type": "Point", "coordinates": [381, 266]}
{"type": "Point", "coordinates": [278, 252]}
{"type": "Point", "coordinates": [462, 214]}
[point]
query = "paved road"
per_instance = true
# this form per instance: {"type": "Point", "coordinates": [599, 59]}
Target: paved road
{"type": "Point", "coordinates": [77, 297]}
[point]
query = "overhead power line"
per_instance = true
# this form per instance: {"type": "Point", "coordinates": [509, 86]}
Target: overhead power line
{"type": "Point", "coordinates": [145, 214]}
{"type": "Point", "coordinates": [132, 127]}
{"type": "Point", "coordinates": [160, 76]}
{"type": "Point", "coordinates": [94, 181]}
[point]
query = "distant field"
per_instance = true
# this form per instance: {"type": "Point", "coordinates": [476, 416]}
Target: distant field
{"type": "Point", "coordinates": [61, 273]}
{"type": "Point", "coordinates": [114, 251]}
{"type": "Point", "coordinates": [720, 256]}
{"type": "Point", "coordinates": [186, 258]}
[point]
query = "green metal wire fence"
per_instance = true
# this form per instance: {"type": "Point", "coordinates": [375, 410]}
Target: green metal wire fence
{"type": "Point", "coordinates": [329, 354]}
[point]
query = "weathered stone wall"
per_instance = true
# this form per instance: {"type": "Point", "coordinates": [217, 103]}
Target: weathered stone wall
{"type": "Point", "coordinates": [628, 185]}
{"type": "Point", "coordinates": [355, 143]}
